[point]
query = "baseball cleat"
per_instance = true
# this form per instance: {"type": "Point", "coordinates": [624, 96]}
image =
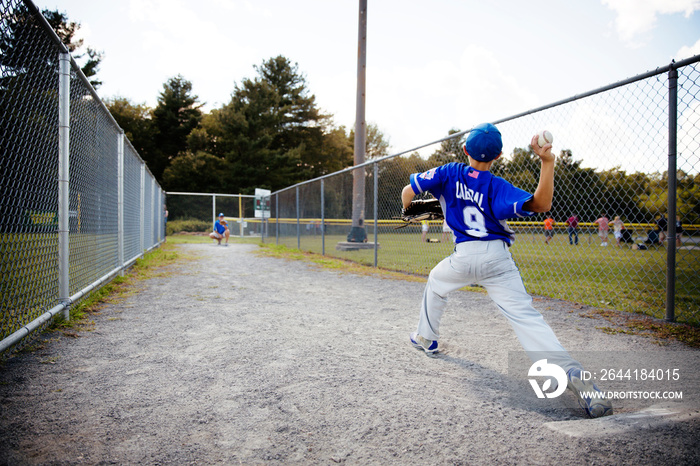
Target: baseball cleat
{"type": "Point", "coordinates": [584, 390]}
{"type": "Point", "coordinates": [429, 346]}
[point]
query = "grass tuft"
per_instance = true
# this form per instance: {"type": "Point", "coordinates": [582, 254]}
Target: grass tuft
{"type": "Point", "coordinates": [630, 324]}
{"type": "Point", "coordinates": [325, 262]}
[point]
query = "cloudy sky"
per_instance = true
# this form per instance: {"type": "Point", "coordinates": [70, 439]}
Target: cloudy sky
{"type": "Point", "coordinates": [431, 66]}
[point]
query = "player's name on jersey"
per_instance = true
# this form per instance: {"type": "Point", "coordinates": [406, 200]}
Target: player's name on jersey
{"type": "Point", "coordinates": [462, 192]}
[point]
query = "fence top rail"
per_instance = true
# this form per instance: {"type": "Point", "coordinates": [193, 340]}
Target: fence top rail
{"type": "Point", "coordinates": [671, 66]}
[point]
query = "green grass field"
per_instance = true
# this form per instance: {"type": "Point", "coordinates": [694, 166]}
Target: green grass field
{"type": "Point", "coordinates": [606, 277]}
{"type": "Point", "coordinates": [610, 277]}
{"type": "Point", "coordinates": [29, 279]}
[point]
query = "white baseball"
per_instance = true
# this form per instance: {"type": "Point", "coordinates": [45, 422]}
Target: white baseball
{"type": "Point", "coordinates": [544, 137]}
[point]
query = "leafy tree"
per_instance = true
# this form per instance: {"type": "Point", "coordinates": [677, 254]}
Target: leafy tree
{"type": "Point", "coordinates": [652, 200]}
{"type": "Point", "coordinates": [569, 187]}
{"type": "Point", "coordinates": [393, 176]}
{"type": "Point", "coordinates": [290, 119]}
{"type": "Point", "coordinates": [450, 150]}
{"type": "Point", "coordinates": [293, 111]}
{"type": "Point", "coordinates": [654, 197]}
{"type": "Point", "coordinates": [196, 172]}
{"type": "Point", "coordinates": [174, 118]}
{"type": "Point", "coordinates": [136, 121]}
{"type": "Point", "coordinates": [207, 136]}
{"type": "Point", "coordinates": [335, 152]}
{"type": "Point", "coordinates": [688, 203]}
{"type": "Point", "coordinates": [498, 167]}
{"type": "Point", "coordinates": [271, 134]}
{"type": "Point", "coordinates": [377, 144]}
{"type": "Point", "coordinates": [620, 194]}
{"type": "Point", "coordinates": [66, 31]}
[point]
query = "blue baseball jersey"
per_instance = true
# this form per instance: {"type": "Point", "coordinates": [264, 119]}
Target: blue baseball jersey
{"type": "Point", "coordinates": [476, 204]}
{"type": "Point", "coordinates": [219, 228]}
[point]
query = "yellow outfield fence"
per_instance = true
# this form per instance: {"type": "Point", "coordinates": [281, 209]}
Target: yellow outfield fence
{"type": "Point", "coordinates": [519, 226]}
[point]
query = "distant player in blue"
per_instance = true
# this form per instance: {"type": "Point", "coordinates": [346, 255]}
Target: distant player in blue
{"type": "Point", "coordinates": [221, 230]}
{"type": "Point", "coordinates": [476, 205]}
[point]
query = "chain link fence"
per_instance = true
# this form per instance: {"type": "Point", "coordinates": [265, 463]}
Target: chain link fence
{"type": "Point", "coordinates": [622, 152]}
{"type": "Point", "coordinates": [78, 204]}
{"type": "Point", "coordinates": [195, 213]}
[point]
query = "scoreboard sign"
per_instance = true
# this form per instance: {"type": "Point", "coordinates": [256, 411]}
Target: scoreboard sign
{"type": "Point", "coordinates": [262, 203]}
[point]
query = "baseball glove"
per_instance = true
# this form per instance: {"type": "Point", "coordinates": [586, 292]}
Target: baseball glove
{"type": "Point", "coordinates": [419, 210]}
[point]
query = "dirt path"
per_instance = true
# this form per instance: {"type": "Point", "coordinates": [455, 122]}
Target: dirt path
{"type": "Point", "coordinates": [238, 359]}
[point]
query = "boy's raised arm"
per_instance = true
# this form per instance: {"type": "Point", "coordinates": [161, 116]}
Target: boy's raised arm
{"type": "Point", "coordinates": [542, 199]}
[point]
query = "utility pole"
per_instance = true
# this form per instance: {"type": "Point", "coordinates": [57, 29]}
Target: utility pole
{"type": "Point", "coordinates": [357, 233]}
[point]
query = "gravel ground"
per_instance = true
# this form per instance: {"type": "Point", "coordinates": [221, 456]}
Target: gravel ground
{"type": "Point", "coordinates": [234, 358]}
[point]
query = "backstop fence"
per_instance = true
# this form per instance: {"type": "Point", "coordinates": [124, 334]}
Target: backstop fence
{"type": "Point", "coordinates": [629, 151]}
{"type": "Point", "coordinates": [204, 208]}
{"type": "Point", "coordinates": [78, 204]}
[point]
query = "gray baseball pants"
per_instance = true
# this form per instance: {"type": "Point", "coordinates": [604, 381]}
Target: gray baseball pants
{"type": "Point", "coordinates": [490, 264]}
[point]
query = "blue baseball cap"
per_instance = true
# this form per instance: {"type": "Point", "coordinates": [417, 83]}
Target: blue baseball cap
{"type": "Point", "coordinates": [484, 143]}
{"type": "Point", "coordinates": [221, 214]}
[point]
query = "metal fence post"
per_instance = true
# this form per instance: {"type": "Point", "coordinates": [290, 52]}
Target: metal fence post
{"type": "Point", "coordinates": [240, 214]}
{"type": "Point", "coordinates": [672, 187]}
{"type": "Point", "coordinates": [142, 212]}
{"type": "Point", "coordinates": [376, 212]}
{"type": "Point", "coordinates": [277, 219]}
{"type": "Point", "coordinates": [63, 181]}
{"type": "Point", "coordinates": [298, 224]}
{"type": "Point", "coordinates": [120, 200]}
{"type": "Point", "coordinates": [323, 219]}
{"type": "Point", "coordinates": [153, 212]}
{"type": "Point", "coordinates": [161, 214]}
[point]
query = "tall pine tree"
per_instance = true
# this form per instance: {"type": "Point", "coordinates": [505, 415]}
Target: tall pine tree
{"type": "Point", "coordinates": [174, 118]}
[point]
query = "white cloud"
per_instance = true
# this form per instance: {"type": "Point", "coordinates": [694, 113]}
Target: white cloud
{"type": "Point", "coordinates": [688, 51]}
{"type": "Point", "coordinates": [173, 17]}
{"type": "Point", "coordinates": [488, 88]}
{"type": "Point", "coordinates": [689, 138]}
{"type": "Point", "coordinates": [443, 94]}
{"type": "Point", "coordinates": [635, 17]}
{"type": "Point", "coordinates": [179, 37]}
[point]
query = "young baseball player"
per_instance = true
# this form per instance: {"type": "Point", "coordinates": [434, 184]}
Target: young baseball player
{"type": "Point", "coordinates": [221, 230]}
{"type": "Point", "coordinates": [618, 226]}
{"type": "Point", "coordinates": [476, 205]}
{"type": "Point", "coordinates": [602, 223]}
{"type": "Point", "coordinates": [548, 229]}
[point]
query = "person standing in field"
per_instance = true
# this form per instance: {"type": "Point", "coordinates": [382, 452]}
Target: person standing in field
{"type": "Point", "coordinates": [572, 229]}
{"type": "Point", "coordinates": [446, 232]}
{"type": "Point", "coordinates": [548, 229]}
{"type": "Point", "coordinates": [661, 226]}
{"type": "Point", "coordinates": [679, 231]}
{"type": "Point", "coordinates": [618, 226]}
{"type": "Point", "coordinates": [603, 229]}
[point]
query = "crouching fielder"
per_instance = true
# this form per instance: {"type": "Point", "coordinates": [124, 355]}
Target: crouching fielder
{"type": "Point", "coordinates": [221, 230]}
{"type": "Point", "coordinates": [476, 205]}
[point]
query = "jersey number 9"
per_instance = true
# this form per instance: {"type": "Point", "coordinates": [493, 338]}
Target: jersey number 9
{"type": "Point", "coordinates": [474, 220]}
